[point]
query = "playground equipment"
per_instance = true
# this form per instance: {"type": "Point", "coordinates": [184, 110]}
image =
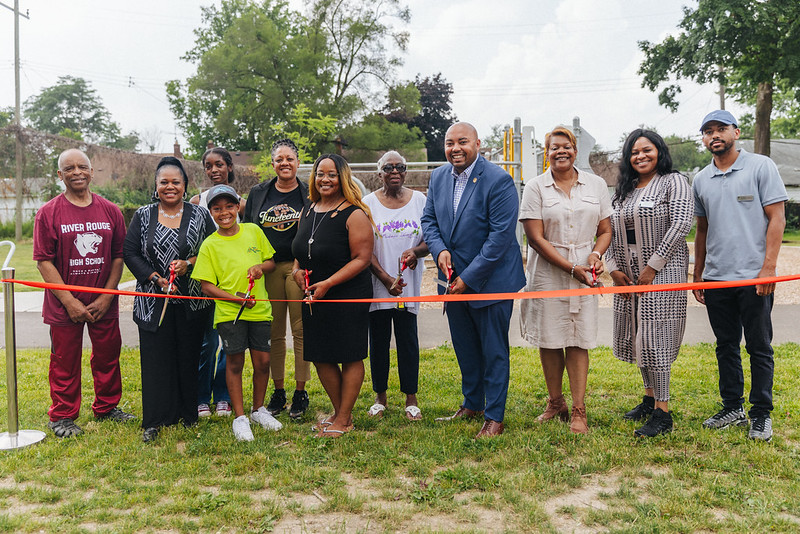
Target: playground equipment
{"type": "Point", "coordinates": [14, 438]}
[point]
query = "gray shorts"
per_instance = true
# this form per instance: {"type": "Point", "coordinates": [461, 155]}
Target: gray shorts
{"type": "Point", "coordinates": [237, 337]}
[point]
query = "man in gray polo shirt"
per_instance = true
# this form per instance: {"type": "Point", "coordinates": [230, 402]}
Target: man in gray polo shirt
{"type": "Point", "coordinates": [739, 204]}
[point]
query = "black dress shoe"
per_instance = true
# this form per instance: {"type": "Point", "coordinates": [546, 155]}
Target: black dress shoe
{"type": "Point", "coordinates": [150, 434]}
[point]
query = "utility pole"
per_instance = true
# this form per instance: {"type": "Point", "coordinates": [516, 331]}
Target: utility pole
{"type": "Point", "coordinates": [17, 118]}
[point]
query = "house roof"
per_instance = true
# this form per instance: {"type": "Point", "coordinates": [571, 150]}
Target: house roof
{"type": "Point", "coordinates": [786, 155]}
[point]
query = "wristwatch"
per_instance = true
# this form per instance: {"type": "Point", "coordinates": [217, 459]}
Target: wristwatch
{"type": "Point", "coordinates": [155, 278]}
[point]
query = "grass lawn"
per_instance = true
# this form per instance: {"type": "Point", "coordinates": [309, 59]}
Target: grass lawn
{"type": "Point", "coordinates": [392, 475]}
{"type": "Point", "coordinates": [25, 267]}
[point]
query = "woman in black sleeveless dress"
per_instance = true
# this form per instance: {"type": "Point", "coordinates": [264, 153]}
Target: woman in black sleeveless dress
{"type": "Point", "coordinates": [333, 246]}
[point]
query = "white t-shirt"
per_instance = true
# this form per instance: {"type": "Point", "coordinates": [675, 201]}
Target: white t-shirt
{"type": "Point", "coordinates": [398, 230]}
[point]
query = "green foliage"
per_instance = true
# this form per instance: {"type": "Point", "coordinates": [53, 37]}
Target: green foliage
{"type": "Point", "coordinates": [375, 133]}
{"type": "Point", "coordinates": [123, 195]}
{"type": "Point", "coordinates": [756, 44]}
{"type": "Point", "coordinates": [437, 113]}
{"type": "Point", "coordinates": [8, 231]}
{"type": "Point", "coordinates": [257, 61]}
{"type": "Point", "coordinates": [73, 108]}
{"type": "Point", "coordinates": [785, 123]}
{"type": "Point", "coordinates": [6, 116]}
{"type": "Point", "coordinates": [403, 103]}
{"type": "Point", "coordinates": [495, 138]}
{"type": "Point", "coordinates": [687, 154]}
{"type": "Point", "coordinates": [357, 34]}
{"type": "Point", "coordinates": [70, 133]}
{"type": "Point", "coordinates": [307, 131]}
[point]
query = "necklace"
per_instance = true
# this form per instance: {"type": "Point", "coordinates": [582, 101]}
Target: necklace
{"type": "Point", "coordinates": [315, 226]}
{"type": "Point", "coordinates": [167, 215]}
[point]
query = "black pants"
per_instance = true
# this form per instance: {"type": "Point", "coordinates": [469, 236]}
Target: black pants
{"type": "Point", "coordinates": [731, 310]}
{"type": "Point", "coordinates": [170, 358]}
{"type": "Point", "coordinates": [405, 334]}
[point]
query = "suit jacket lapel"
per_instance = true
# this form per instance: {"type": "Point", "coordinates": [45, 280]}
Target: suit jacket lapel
{"type": "Point", "coordinates": [448, 198]}
{"type": "Point", "coordinates": [468, 190]}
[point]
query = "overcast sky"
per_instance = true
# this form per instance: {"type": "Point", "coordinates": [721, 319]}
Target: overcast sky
{"type": "Point", "coordinates": [544, 61]}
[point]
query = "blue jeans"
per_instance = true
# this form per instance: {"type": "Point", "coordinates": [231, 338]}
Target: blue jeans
{"type": "Point", "coordinates": [731, 311]}
{"type": "Point", "coordinates": [211, 380]}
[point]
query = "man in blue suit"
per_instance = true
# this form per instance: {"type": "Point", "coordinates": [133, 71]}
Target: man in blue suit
{"type": "Point", "coordinates": [469, 225]}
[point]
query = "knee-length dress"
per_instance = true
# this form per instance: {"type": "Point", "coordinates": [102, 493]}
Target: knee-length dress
{"type": "Point", "coordinates": [648, 328]}
{"type": "Point", "coordinates": [332, 332]}
{"type": "Point", "coordinates": [570, 225]}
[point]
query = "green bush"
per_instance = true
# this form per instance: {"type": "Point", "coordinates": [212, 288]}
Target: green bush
{"type": "Point", "coordinates": [8, 230]}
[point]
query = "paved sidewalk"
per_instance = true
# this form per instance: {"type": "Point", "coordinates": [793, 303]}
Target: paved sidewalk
{"type": "Point", "coordinates": [433, 328]}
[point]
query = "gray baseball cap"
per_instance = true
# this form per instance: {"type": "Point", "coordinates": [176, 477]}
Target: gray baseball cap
{"type": "Point", "coordinates": [222, 190]}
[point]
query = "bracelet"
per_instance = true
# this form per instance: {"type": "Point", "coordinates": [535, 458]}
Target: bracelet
{"type": "Point", "coordinates": [572, 271]}
{"type": "Point", "coordinates": [155, 278]}
{"type": "Point", "coordinates": [599, 256]}
{"type": "Point", "coordinates": [189, 266]}
{"type": "Point", "coordinates": [294, 272]}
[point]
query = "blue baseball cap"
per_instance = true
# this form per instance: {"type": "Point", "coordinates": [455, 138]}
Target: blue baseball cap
{"type": "Point", "coordinates": [719, 115]}
{"type": "Point", "coordinates": [222, 190]}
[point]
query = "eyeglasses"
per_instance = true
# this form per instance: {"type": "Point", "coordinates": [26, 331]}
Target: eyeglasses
{"type": "Point", "coordinates": [330, 175]}
{"type": "Point", "coordinates": [388, 167]}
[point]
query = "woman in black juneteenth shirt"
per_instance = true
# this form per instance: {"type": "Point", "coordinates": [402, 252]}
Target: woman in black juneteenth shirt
{"type": "Point", "coordinates": [276, 207]}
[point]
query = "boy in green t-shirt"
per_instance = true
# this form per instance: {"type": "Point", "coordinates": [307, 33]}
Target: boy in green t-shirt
{"type": "Point", "coordinates": [228, 259]}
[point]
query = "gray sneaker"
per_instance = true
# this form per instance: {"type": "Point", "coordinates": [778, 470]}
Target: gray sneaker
{"type": "Point", "coordinates": [761, 428]}
{"type": "Point", "coordinates": [726, 417]}
{"type": "Point", "coordinates": [65, 428]}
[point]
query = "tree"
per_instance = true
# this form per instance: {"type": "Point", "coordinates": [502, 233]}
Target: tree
{"type": "Point", "coordinates": [687, 154]}
{"type": "Point", "coordinates": [357, 34]}
{"type": "Point", "coordinates": [403, 103]}
{"type": "Point", "coordinates": [746, 45]}
{"type": "Point", "coordinates": [72, 105]}
{"type": "Point", "coordinates": [6, 116]}
{"type": "Point", "coordinates": [375, 133]}
{"type": "Point", "coordinates": [785, 123]}
{"type": "Point", "coordinates": [436, 115]}
{"type": "Point", "coordinates": [255, 61]}
{"type": "Point", "coordinates": [495, 138]}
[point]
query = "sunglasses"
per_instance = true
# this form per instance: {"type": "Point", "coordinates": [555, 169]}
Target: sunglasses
{"type": "Point", "coordinates": [389, 167]}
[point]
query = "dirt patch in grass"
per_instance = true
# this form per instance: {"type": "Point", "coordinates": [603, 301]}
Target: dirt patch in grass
{"type": "Point", "coordinates": [565, 511]}
{"type": "Point", "coordinates": [334, 522]}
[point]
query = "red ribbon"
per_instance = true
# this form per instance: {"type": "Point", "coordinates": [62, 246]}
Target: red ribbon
{"type": "Point", "coordinates": [688, 286]}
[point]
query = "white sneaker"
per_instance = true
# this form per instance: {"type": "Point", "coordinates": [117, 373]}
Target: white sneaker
{"type": "Point", "coordinates": [265, 419]}
{"type": "Point", "coordinates": [241, 429]}
{"type": "Point", "coordinates": [203, 410]}
{"type": "Point", "coordinates": [223, 409]}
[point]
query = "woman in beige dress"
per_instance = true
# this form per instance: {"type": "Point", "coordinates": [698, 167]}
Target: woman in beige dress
{"type": "Point", "coordinates": [565, 213]}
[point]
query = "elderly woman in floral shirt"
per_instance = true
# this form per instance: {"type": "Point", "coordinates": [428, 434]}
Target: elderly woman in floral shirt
{"type": "Point", "coordinates": [397, 211]}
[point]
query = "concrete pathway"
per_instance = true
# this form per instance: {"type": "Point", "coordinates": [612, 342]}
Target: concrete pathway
{"type": "Point", "coordinates": [433, 328]}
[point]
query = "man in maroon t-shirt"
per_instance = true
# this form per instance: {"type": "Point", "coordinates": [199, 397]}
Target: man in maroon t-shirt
{"type": "Point", "coordinates": [78, 241]}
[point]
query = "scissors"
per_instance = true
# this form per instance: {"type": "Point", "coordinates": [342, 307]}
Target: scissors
{"type": "Point", "coordinates": [250, 283]}
{"type": "Point", "coordinates": [170, 286]}
{"type": "Point", "coordinates": [399, 275]}
{"type": "Point", "coordinates": [307, 277]}
{"type": "Point", "coordinates": [595, 281]}
{"type": "Point", "coordinates": [447, 287]}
